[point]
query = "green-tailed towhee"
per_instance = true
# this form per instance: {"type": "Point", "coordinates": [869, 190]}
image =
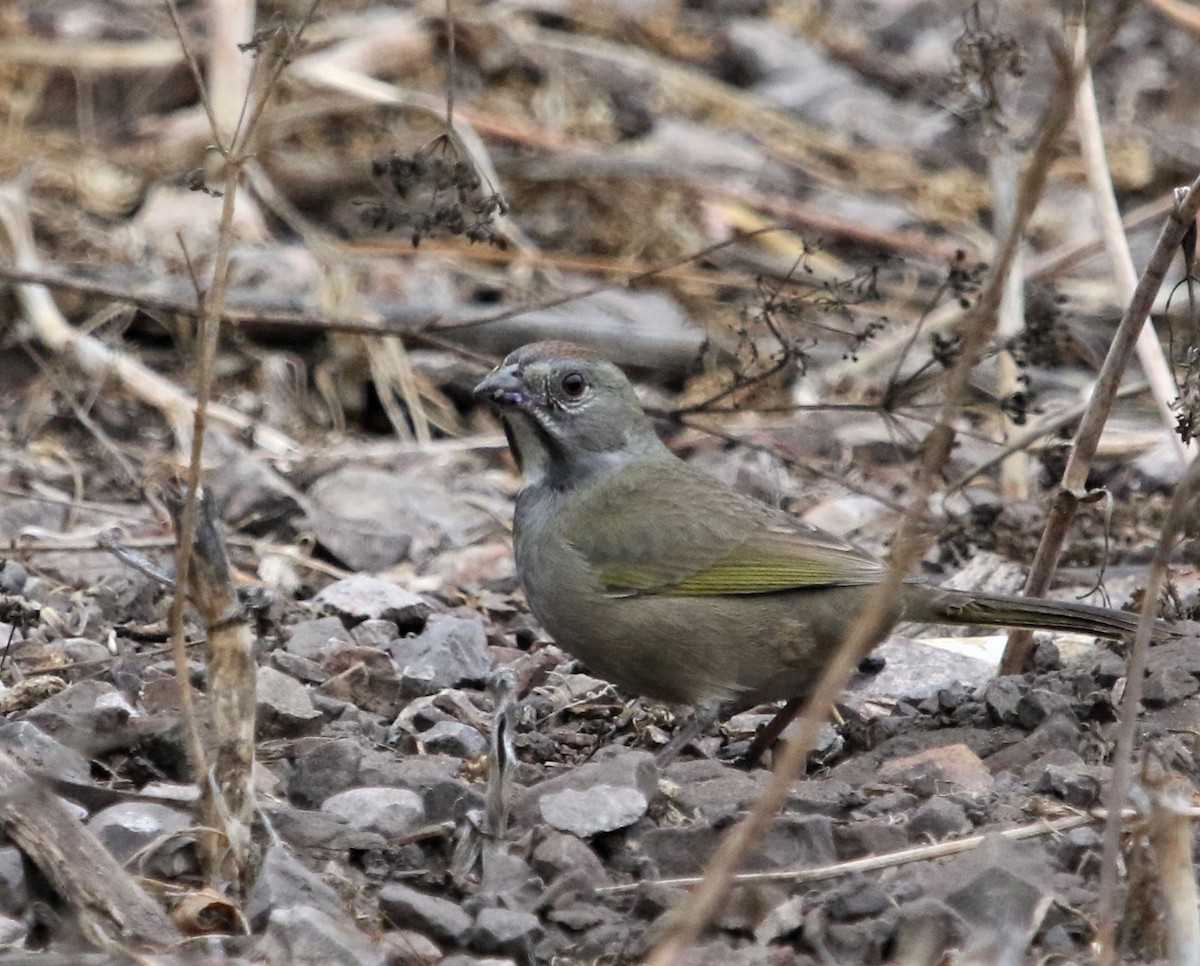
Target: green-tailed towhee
{"type": "Point", "coordinates": [672, 585]}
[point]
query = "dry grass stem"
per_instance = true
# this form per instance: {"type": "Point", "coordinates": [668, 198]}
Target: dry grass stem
{"type": "Point", "coordinates": [1154, 363]}
{"type": "Point", "coordinates": [886, 860]}
{"type": "Point", "coordinates": [1185, 510]}
{"type": "Point", "coordinates": [1071, 490]}
{"type": "Point", "coordinates": [1014, 468]}
{"type": "Point", "coordinates": [231, 678]}
{"type": "Point", "coordinates": [1169, 832]}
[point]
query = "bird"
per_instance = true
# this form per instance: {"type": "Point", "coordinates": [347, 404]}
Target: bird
{"type": "Point", "coordinates": [674, 586]}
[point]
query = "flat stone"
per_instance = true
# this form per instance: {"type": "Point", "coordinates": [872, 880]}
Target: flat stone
{"type": "Point", "coordinates": [937, 819]}
{"type": "Point", "coordinates": [714, 790]}
{"type": "Point", "coordinates": [324, 768]}
{"type": "Point", "coordinates": [284, 882]}
{"type": "Point", "coordinates": [871, 837]}
{"type": "Point", "coordinates": [1039, 704]}
{"type": "Point", "coordinates": [1001, 698]}
{"type": "Point", "coordinates": [601, 808]}
{"type": "Point", "coordinates": [392, 812]}
{"type": "Point", "coordinates": [307, 936]}
{"type": "Point", "coordinates": [857, 898]}
{"type": "Point", "coordinates": [1168, 685]}
{"type": "Point", "coordinates": [309, 829]}
{"type": "Point", "coordinates": [454, 648]}
{"type": "Point", "coordinates": [313, 639]}
{"type": "Point", "coordinates": [128, 827]}
{"type": "Point", "coordinates": [506, 931]}
{"type": "Point", "coordinates": [285, 708]}
{"type": "Point", "coordinates": [936, 771]}
{"type": "Point", "coordinates": [298, 668]}
{"type": "Point", "coordinates": [435, 778]}
{"type": "Point", "coordinates": [37, 751]}
{"type": "Point", "coordinates": [789, 841]}
{"type": "Point", "coordinates": [410, 909]}
{"type": "Point", "coordinates": [14, 887]}
{"type": "Point", "coordinates": [560, 854]}
{"type": "Point", "coordinates": [623, 769]}
{"type": "Point", "coordinates": [453, 738]}
{"type": "Point", "coordinates": [92, 717]}
{"type": "Point", "coordinates": [361, 598]}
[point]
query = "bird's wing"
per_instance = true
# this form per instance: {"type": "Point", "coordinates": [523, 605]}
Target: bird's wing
{"type": "Point", "coordinates": [654, 530]}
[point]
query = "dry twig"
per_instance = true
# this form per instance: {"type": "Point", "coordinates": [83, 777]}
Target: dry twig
{"type": "Point", "coordinates": [1071, 490]}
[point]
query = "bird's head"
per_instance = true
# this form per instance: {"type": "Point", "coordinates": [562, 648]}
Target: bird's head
{"type": "Point", "coordinates": [568, 413]}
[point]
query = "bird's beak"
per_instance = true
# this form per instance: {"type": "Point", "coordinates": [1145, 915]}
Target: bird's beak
{"type": "Point", "coordinates": [505, 387]}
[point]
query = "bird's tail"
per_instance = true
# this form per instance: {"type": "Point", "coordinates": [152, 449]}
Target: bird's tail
{"type": "Point", "coordinates": [995, 610]}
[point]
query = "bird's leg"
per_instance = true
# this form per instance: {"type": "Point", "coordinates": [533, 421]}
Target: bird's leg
{"type": "Point", "coordinates": [769, 733]}
{"type": "Point", "coordinates": [697, 723]}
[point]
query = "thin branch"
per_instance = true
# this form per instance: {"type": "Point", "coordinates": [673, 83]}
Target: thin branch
{"type": "Point", "coordinates": [1083, 449]}
{"type": "Point", "coordinates": [1185, 509]}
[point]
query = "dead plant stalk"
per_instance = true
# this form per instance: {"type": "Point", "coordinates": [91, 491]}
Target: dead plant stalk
{"type": "Point", "coordinates": [1071, 491]}
{"type": "Point", "coordinates": [1184, 509]}
{"type": "Point", "coordinates": [229, 792]}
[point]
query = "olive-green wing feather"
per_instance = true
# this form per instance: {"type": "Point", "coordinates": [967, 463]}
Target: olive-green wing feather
{"type": "Point", "coordinates": [663, 528]}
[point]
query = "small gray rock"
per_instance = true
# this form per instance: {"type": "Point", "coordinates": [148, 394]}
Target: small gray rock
{"type": "Point", "coordinates": [602, 808]}
{"type": "Point", "coordinates": [12, 577]}
{"type": "Point", "coordinates": [305, 936]}
{"type": "Point", "coordinates": [312, 639]}
{"type": "Point", "coordinates": [128, 827]}
{"type": "Point", "coordinates": [622, 769]}
{"type": "Point", "coordinates": [508, 931]}
{"type": "Point", "coordinates": [455, 648]}
{"type": "Point", "coordinates": [392, 812]}
{"type": "Point", "coordinates": [12, 931]}
{"type": "Point", "coordinates": [1039, 704]}
{"type": "Point", "coordinates": [284, 882]}
{"type": "Point", "coordinates": [14, 889]}
{"type": "Point", "coordinates": [1001, 697]}
{"type": "Point", "coordinates": [453, 738]}
{"type": "Point", "coordinates": [285, 708]}
{"type": "Point", "coordinates": [714, 790]}
{"type": "Point", "coordinates": [323, 769]}
{"type": "Point", "coordinates": [373, 633]}
{"type": "Point", "coordinates": [409, 909]}
{"type": "Point", "coordinates": [857, 898]}
{"type": "Point", "coordinates": [937, 819]}
{"type": "Point", "coordinates": [559, 854]}
{"type": "Point", "coordinates": [308, 829]}
{"type": "Point", "coordinates": [1168, 685]}
{"type": "Point", "coordinates": [789, 841]}
{"type": "Point", "coordinates": [871, 837]}
{"type": "Point", "coordinates": [299, 668]}
{"type": "Point", "coordinates": [433, 777]}
{"type": "Point", "coordinates": [361, 598]}
{"type": "Point", "coordinates": [90, 716]}
{"type": "Point", "coordinates": [37, 751]}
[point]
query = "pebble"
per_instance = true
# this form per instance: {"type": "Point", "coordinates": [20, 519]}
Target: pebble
{"type": "Point", "coordinates": [409, 908]}
{"type": "Point", "coordinates": [601, 808]}
{"type": "Point", "coordinates": [391, 812]}
{"type": "Point", "coordinates": [360, 598]}
{"type": "Point", "coordinates": [454, 648]}
{"type": "Point", "coordinates": [284, 707]}
{"type": "Point", "coordinates": [284, 882]}
{"type": "Point", "coordinates": [506, 931]}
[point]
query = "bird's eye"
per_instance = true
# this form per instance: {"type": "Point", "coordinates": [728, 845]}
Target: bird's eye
{"type": "Point", "coordinates": [574, 385]}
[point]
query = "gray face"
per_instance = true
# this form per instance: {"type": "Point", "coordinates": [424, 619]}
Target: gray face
{"type": "Point", "coordinates": [568, 414]}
